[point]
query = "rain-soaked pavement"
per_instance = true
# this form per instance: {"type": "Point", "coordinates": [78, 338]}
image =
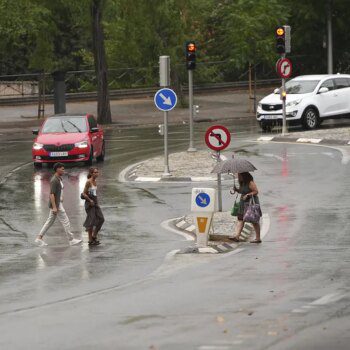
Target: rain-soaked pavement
{"type": "Point", "coordinates": [291, 292]}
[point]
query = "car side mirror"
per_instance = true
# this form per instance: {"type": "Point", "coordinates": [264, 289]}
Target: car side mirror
{"type": "Point", "coordinates": [35, 131]}
{"type": "Point", "coordinates": [93, 130]}
{"type": "Point", "coordinates": [276, 91]}
{"type": "Point", "coordinates": [323, 90]}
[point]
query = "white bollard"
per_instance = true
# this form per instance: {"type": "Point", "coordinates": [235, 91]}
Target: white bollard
{"type": "Point", "coordinates": [203, 205]}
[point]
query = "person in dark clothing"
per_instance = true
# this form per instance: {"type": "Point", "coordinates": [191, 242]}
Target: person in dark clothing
{"type": "Point", "coordinates": [247, 188]}
{"type": "Point", "coordinates": [94, 219]}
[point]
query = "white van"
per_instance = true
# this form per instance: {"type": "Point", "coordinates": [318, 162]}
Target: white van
{"type": "Point", "coordinates": [310, 99]}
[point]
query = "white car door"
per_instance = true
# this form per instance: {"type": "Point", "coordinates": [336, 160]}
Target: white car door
{"type": "Point", "coordinates": [326, 102]}
{"type": "Point", "coordinates": [343, 95]}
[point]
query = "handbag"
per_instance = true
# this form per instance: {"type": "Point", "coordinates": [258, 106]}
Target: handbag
{"type": "Point", "coordinates": [252, 212]}
{"type": "Point", "coordinates": [235, 208]}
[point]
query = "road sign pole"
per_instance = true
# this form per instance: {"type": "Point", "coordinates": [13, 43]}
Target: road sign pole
{"type": "Point", "coordinates": [164, 81]}
{"type": "Point", "coordinates": [191, 147]}
{"type": "Point", "coordinates": [219, 184]}
{"type": "Point", "coordinates": [166, 154]}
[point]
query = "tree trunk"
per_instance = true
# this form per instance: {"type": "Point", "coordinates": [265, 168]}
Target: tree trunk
{"type": "Point", "coordinates": [103, 105]}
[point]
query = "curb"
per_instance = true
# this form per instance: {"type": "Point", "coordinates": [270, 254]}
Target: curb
{"type": "Point", "coordinates": [303, 140]}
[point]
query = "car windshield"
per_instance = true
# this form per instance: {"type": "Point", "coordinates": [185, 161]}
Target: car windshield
{"type": "Point", "coordinates": [65, 124]}
{"type": "Point", "coordinates": [301, 86]}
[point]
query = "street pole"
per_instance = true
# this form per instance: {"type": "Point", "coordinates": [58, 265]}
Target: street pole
{"type": "Point", "coordinates": [330, 38]}
{"type": "Point", "coordinates": [284, 122]}
{"type": "Point", "coordinates": [191, 147]}
{"type": "Point", "coordinates": [164, 81]}
{"type": "Point", "coordinates": [218, 159]}
{"type": "Point", "coordinates": [166, 154]}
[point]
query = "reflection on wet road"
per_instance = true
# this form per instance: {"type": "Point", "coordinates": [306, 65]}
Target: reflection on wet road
{"type": "Point", "coordinates": [133, 244]}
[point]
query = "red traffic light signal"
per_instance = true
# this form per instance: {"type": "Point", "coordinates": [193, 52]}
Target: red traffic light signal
{"type": "Point", "coordinates": [191, 55]}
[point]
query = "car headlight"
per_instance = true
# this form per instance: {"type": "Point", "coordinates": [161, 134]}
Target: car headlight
{"type": "Point", "coordinates": [37, 146]}
{"type": "Point", "coordinates": [82, 144]}
{"type": "Point", "coordinates": [293, 103]}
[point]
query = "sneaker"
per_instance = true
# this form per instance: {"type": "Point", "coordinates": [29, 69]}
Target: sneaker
{"type": "Point", "coordinates": [40, 242]}
{"type": "Point", "coordinates": [75, 241]}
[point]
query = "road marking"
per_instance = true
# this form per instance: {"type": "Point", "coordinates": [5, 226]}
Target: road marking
{"type": "Point", "coordinates": [147, 179]}
{"type": "Point", "coordinates": [166, 225]}
{"type": "Point", "coordinates": [265, 138]}
{"type": "Point", "coordinates": [181, 223]}
{"type": "Point", "coordinates": [329, 298]}
{"type": "Point", "coordinates": [325, 300]}
{"type": "Point", "coordinates": [302, 139]}
{"type": "Point", "coordinates": [191, 228]}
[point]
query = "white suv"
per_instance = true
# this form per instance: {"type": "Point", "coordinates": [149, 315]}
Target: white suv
{"type": "Point", "coordinates": [310, 99]}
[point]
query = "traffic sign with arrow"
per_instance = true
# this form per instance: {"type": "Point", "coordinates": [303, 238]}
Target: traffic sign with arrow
{"type": "Point", "coordinates": [165, 99]}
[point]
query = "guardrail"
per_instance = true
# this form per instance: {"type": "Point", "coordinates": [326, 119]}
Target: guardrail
{"type": "Point", "coordinates": [135, 92]}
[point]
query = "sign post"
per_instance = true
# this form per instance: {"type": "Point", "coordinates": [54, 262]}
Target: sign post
{"type": "Point", "coordinates": [165, 100]}
{"type": "Point", "coordinates": [218, 138]}
{"type": "Point", "coordinates": [284, 70]}
{"type": "Point", "coordinates": [203, 207]}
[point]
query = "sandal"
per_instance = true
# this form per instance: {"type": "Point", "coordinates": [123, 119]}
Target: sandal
{"type": "Point", "coordinates": [235, 239]}
{"type": "Point", "coordinates": [256, 241]}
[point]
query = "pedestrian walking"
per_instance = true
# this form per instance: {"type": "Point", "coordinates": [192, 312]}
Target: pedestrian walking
{"type": "Point", "coordinates": [249, 194]}
{"type": "Point", "coordinates": [94, 216]}
{"type": "Point", "coordinates": [56, 208]}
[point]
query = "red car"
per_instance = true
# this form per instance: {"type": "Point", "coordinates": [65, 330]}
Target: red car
{"type": "Point", "coordinates": [68, 138]}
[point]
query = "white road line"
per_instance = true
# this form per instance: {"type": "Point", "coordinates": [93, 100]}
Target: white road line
{"type": "Point", "coordinates": [181, 223]}
{"type": "Point", "coordinates": [265, 138]}
{"type": "Point", "coordinates": [303, 139]}
{"type": "Point", "coordinates": [191, 228]}
{"type": "Point", "coordinates": [329, 298]}
{"type": "Point", "coordinates": [147, 179]}
{"type": "Point", "coordinates": [165, 225]}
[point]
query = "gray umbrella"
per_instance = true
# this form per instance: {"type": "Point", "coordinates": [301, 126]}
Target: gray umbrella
{"type": "Point", "coordinates": [233, 166]}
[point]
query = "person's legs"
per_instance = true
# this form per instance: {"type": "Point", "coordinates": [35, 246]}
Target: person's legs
{"type": "Point", "coordinates": [239, 228]}
{"type": "Point", "coordinates": [49, 222]}
{"type": "Point", "coordinates": [100, 220]}
{"type": "Point", "coordinates": [63, 218]}
{"type": "Point", "coordinates": [257, 233]}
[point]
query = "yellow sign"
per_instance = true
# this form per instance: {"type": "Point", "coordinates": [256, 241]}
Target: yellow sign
{"type": "Point", "coordinates": [280, 31]}
{"type": "Point", "coordinates": [202, 224]}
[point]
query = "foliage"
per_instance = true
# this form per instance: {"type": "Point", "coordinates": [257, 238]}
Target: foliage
{"type": "Point", "coordinates": [49, 35]}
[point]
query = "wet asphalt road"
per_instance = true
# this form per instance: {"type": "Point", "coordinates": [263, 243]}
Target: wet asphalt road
{"type": "Point", "coordinates": [292, 292]}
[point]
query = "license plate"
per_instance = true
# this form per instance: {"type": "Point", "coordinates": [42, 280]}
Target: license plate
{"type": "Point", "coordinates": [272, 116]}
{"type": "Point", "coordinates": [58, 154]}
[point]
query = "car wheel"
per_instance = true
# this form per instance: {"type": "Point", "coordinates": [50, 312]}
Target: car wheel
{"type": "Point", "coordinates": [101, 157]}
{"type": "Point", "coordinates": [266, 127]}
{"type": "Point", "coordinates": [38, 165]}
{"type": "Point", "coordinates": [310, 118]}
{"type": "Point", "coordinates": [91, 157]}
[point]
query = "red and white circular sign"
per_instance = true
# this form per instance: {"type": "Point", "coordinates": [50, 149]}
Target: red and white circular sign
{"type": "Point", "coordinates": [284, 68]}
{"type": "Point", "coordinates": [217, 137]}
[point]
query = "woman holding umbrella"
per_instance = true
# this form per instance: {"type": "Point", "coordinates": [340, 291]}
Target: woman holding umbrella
{"type": "Point", "coordinates": [248, 190]}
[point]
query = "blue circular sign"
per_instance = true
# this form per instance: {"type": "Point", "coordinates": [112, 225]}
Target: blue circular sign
{"type": "Point", "coordinates": [165, 99]}
{"type": "Point", "coordinates": [202, 200]}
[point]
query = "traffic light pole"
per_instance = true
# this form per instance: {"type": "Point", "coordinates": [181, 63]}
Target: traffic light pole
{"type": "Point", "coordinates": [191, 147]}
{"type": "Point", "coordinates": [284, 122]}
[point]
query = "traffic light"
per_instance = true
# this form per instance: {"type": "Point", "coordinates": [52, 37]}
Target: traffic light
{"type": "Point", "coordinates": [283, 39]}
{"type": "Point", "coordinates": [280, 40]}
{"type": "Point", "coordinates": [191, 55]}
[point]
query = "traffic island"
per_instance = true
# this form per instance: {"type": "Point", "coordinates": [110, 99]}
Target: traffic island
{"type": "Point", "coordinates": [184, 167]}
{"type": "Point", "coordinates": [222, 228]}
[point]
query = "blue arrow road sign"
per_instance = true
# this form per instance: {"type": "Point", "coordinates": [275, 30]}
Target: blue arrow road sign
{"type": "Point", "coordinates": [203, 200]}
{"type": "Point", "coordinates": [165, 99]}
